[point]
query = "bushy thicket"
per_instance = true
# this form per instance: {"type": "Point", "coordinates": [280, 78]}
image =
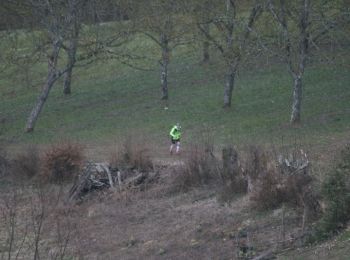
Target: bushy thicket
{"type": "Point", "coordinates": [271, 185]}
{"type": "Point", "coordinates": [199, 168]}
{"type": "Point", "coordinates": [27, 163]}
{"type": "Point", "coordinates": [264, 182]}
{"type": "Point", "coordinates": [268, 185]}
{"type": "Point", "coordinates": [132, 155]}
{"type": "Point", "coordinates": [62, 162]}
{"type": "Point", "coordinates": [232, 175]}
{"type": "Point", "coordinates": [4, 162]}
{"type": "Point", "coordinates": [336, 192]}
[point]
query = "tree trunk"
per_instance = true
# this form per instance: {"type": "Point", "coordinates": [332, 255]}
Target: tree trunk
{"type": "Point", "coordinates": [52, 76]}
{"type": "Point", "coordinates": [71, 62]}
{"type": "Point", "coordinates": [206, 56]}
{"type": "Point", "coordinates": [229, 85]}
{"type": "Point", "coordinates": [71, 53]}
{"type": "Point", "coordinates": [67, 82]}
{"type": "Point", "coordinates": [303, 52]}
{"type": "Point", "coordinates": [297, 97]}
{"type": "Point", "coordinates": [68, 75]}
{"type": "Point", "coordinates": [164, 68]}
{"type": "Point", "coordinates": [206, 45]}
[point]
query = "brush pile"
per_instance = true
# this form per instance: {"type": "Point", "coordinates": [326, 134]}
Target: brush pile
{"type": "Point", "coordinates": [100, 176]}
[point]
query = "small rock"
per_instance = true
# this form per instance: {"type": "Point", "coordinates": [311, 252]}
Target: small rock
{"type": "Point", "coordinates": [194, 243]}
{"type": "Point", "coordinates": [277, 212]}
{"type": "Point", "coordinates": [149, 244]}
{"type": "Point", "coordinates": [132, 241]}
{"type": "Point", "coordinates": [161, 251]}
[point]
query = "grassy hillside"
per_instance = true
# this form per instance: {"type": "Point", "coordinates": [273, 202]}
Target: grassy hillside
{"type": "Point", "coordinates": [110, 101]}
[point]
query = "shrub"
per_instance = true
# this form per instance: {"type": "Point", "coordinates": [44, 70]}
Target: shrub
{"type": "Point", "coordinates": [257, 162]}
{"type": "Point", "coordinates": [271, 186]}
{"type": "Point", "coordinates": [27, 163]}
{"type": "Point", "coordinates": [336, 192]}
{"type": "Point", "coordinates": [62, 162]}
{"type": "Point", "coordinates": [233, 180]}
{"type": "Point", "coordinates": [4, 162]}
{"type": "Point", "coordinates": [263, 183]}
{"type": "Point", "coordinates": [132, 156]}
{"type": "Point", "coordinates": [199, 168]}
{"type": "Point", "coordinates": [267, 193]}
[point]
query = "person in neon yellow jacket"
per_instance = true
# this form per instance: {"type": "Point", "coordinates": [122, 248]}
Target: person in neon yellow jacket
{"type": "Point", "coordinates": [175, 135]}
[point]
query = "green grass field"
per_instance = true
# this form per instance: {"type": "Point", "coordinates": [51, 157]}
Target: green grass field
{"type": "Point", "coordinates": [110, 101]}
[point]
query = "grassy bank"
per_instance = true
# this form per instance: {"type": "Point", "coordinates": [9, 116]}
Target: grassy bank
{"type": "Point", "coordinates": [110, 101]}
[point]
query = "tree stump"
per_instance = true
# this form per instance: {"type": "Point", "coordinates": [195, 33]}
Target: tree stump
{"type": "Point", "coordinates": [230, 162]}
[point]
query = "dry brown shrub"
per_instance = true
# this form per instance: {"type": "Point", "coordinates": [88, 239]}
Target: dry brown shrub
{"type": "Point", "coordinates": [4, 162]}
{"type": "Point", "coordinates": [62, 162]}
{"type": "Point", "coordinates": [31, 218]}
{"type": "Point", "coordinates": [233, 180]}
{"type": "Point", "coordinates": [232, 172]}
{"type": "Point", "coordinates": [267, 192]}
{"type": "Point", "coordinates": [271, 186]}
{"type": "Point", "coordinates": [199, 168]}
{"type": "Point", "coordinates": [132, 156]}
{"type": "Point", "coordinates": [336, 193]}
{"type": "Point", "coordinates": [263, 182]}
{"type": "Point", "coordinates": [258, 162]}
{"type": "Point", "coordinates": [27, 163]}
{"type": "Point", "coordinates": [295, 188]}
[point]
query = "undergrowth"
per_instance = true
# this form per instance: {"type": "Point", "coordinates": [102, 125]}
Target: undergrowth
{"type": "Point", "coordinates": [62, 162]}
{"type": "Point", "coordinates": [336, 193]}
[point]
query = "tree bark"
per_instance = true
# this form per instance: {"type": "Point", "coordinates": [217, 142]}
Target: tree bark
{"type": "Point", "coordinates": [206, 57]}
{"type": "Point", "coordinates": [296, 66]}
{"type": "Point", "coordinates": [230, 75]}
{"type": "Point", "coordinates": [164, 67]}
{"type": "Point", "coordinates": [74, 14]}
{"type": "Point", "coordinates": [67, 82]}
{"type": "Point", "coordinates": [52, 76]}
{"type": "Point", "coordinates": [303, 48]}
{"type": "Point", "coordinates": [70, 64]}
{"type": "Point", "coordinates": [229, 86]}
{"type": "Point", "coordinates": [297, 97]}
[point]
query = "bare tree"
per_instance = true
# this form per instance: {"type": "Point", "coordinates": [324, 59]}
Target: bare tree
{"type": "Point", "coordinates": [302, 25]}
{"type": "Point", "coordinates": [201, 12]}
{"type": "Point", "coordinates": [296, 65]}
{"type": "Point", "coordinates": [234, 31]}
{"type": "Point", "coordinates": [75, 10]}
{"type": "Point", "coordinates": [56, 19]}
{"type": "Point", "coordinates": [163, 23]}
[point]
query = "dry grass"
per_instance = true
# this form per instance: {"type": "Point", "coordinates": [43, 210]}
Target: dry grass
{"type": "Point", "coordinates": [233, 180]}
{"type": "Point", "coordinates": [191, 225]}
{"type": "Point", "coordinates": [156, 224]}
{"type": "Point", "coordinates": [270, 186]}
{"type": "Point", "coordinates": [153, 224]}
{"type": "Point", "coordinates": [336, 193]}
{"type": "Point", "coordinates": [36, 224]}
{"type": "Point", "coordinates": [27, 163]}
{"type": "Point", "coordinates": [200, 167]}
{"type": "Point", "coordinates": [4, 162]}
{"type": "Point", "coordinates": [131, 155]}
